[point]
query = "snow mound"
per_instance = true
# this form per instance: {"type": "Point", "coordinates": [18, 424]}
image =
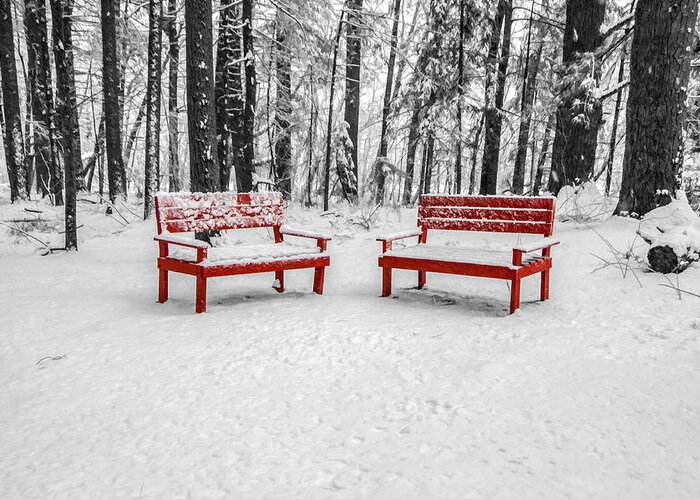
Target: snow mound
{"type": "Point", "coordinates": [675, 225]}
{"type": "Point", "coordinates": [584, 203]}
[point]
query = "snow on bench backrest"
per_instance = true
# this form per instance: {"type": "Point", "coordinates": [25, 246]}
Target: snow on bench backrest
{"type": "Point", "coordinates": [499, 214]}
{"type": "Point", "coordinates": [193, 212]}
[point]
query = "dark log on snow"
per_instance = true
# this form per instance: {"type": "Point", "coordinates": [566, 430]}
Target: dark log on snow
{"type": "Point", "coordinates": [663, 259]}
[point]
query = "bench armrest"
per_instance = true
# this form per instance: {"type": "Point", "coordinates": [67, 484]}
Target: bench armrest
{"type": "Point", "coordinates": [168, 239]}
{"type": "Point", "coordinates": [545, 244]}
{"type": "Point", "coordinates": [536, 245]}
{"type": "Point", "coordinates": [302, 233]}
{"type": "Point", "coordinates": [184, 242]}
{"type": "Point", "coordinates": [401, 235]}
{"type": "Point", "coordinates": [388, 239]}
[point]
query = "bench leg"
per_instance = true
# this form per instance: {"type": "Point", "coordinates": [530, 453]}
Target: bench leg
{"type": "Point", "coordinates": [279, 276]}
{"type": "Point", "coordinates": [201, 298]}
{"type": "Point", "coordinates": [544, 285]}
{"type": "Point", "coordinates": [162, 286]}
{"type": "Point", "coordinates": [421, 279]}
{"type": "Point", "coordinates": [386, 281]}
{"type": "Point", "coordinates": [319, 275]}
{"type": "Point", "coordinates": [514, 295]}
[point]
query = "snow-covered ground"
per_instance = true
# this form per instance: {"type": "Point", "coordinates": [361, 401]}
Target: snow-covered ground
{"type": "Point", "coordinates": [436, 393]}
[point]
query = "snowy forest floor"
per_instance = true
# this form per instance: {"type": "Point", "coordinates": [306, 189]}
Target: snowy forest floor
{"type": "Point", "coordinates": [432, 393]}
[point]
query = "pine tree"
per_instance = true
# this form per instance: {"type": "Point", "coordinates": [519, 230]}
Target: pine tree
{"type": "Point", "coordinates": [174, 175]}
{"type": "Point", "coordinates": [283, 106]}
{"type": "Point", "coordinates": [245, 176]}
{"type": "Point", "coordinates": [656, 106]}
{"type": "Point", "coordinates": [353, 61]}
{"type": "Point", "coordinates": [152, 164]}
{"type": "Point", "coordinates": [14, 141]}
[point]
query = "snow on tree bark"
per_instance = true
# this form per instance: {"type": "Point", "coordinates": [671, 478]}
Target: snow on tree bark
{"type": "Point", "coordinates": [283, 106]}
{"type": "Point", "coordinates": [230, 122]}
{"type": "Point", "coordinates": [580, 112]}
{"type": "Point", "coordinates": [201, 118]}
{"type": "Point", "coordinates": [244, 178]}
{"type": "Point", "coordinates": [110, 84]}
{"type": "Point", "coordinates": [14, 142]}
{"type": "Point", "coordinates": [656, 107]}
{"type": "Point", "coordinates": [174, 175]}
{"type": "Point", "coordinates": [152, 163]}
{"type": "Point", "coordinates": [493, 119]}
{"type": "Point", "coordinates": [40, 95]}
{"type": "Point", "coordinates": [353, 61]}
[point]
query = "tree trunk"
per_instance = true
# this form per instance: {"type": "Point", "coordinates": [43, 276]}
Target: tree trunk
{"type": "Point", "coordinates": [327, 166]}
{"type": "Point", "coordinates": [14, 142]}
{"type": "Point", "coordinates": [579, 114]}
{"type": "Point", "coordinates": [283, 107]}
{"type": "Point", "coordinates": [460, 97]}
{"type": "Point", "coordinates": [429, 155]}
{"type": "Point", "coordinates": [201, 117]}
{"type": "Point", "coordinates": [532, 65]}
{"type": "Point", "coordinates": [659, 72]}
{"type": "Point", "coordinates": [413, 138]}
{"type": "Point", "coordinates": [493, 118]}
{"type": "Point", "coordinates": [96, 157]}
{"type": "Point", "coordinates": [353, 61]}
{"type": "Point", "coordinates": [174, 175]}
{"type": "Point", "coordinates": [475, 149]}
{"type": "Point", "coordinates": [152, 164]}
{"type": "Point", "coordinates": [537, 184]}
{"type": "Point", "coordinates": [244, 178]}
{"type": "Point", "coordinates": [40, 94]}
{"type": "Point", "coordinates": [67, 111]}
{"type": "Point", "coordinates": [229, 95]}
{"type": "Point", "coordinates": [134, 132]}
{"type": "Point", "coordinates": [379, 174]}
{"type": "Point", "coordinates": [110, 82]}
{"type": "Point", "coordinates": [616, 119]}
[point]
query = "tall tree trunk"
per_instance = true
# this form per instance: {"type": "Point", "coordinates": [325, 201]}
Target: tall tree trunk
{"type": "Point", "coordinates": [96, 158]}
{"type": "Point", "coordinates": [244, 178]}
{"type": "Point", "coordinates": [110, 82]}
{"type": "Point", "coordinates": [334, 68]}
{"type": "Point", "coordinates": [40, 94]}
{"type": "Point", "coordinates": [475, 150]}
{"type": "Point", "coordinates": [616, 119]}
{"type": "Point", "coordinates": [460, 97]}
{"type": "Point", "coordinates": [528, 97]}
{"type": "Point", "coordinates": [134, 132]}
{"type": "Point", "coordinates": [659, 73]}
{"type": "Point", "coordinates": [537, 184]}
{"type": "Point", "coordinates": [493, 118]}
{"type": "Point", "coordinates": [413, 138]}
{"type": "Point", "coordinates": [201, 113]}
{"type": "Point", "coordinates": [353, 61]}
{"type": "Point", "coordinates": [429, 157]}
{"type": "Point", "coordinates": [283, 107]}
{"type": "Point", "coordinates": [67, 111]}
{"type": "Point", "coordinates": [379, 174]}
{"type": "Point", "coordinates": [230, 123]}
{"type": "Point", "coordinates": [174, 175]}
{"type": "Point", "coordinates": [152, 164]}
{"type": "Point", "coordinates": [579, 115]}
{"type": "Point", "coordinates": [14, 142]}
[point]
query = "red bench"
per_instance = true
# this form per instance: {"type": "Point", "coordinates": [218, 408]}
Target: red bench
{"type": "Point", "coordinates": [199, 212]}
{"type": "Point", "coordinates": [498, 214]}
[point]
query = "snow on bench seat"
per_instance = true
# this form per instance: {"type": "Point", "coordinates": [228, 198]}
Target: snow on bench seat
{"type": "Point", "coordinates": [247, 254]}
{"type": "Point", "coordinates": [462, 255]}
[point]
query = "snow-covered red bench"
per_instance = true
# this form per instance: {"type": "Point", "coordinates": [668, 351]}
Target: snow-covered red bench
{"type": "Point", "coordinates": [498, 214]}
{"type": "Point", "coordinates": [199, 212]}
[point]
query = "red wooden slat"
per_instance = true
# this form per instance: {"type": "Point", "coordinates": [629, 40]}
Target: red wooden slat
{"type": "Point", "coordinates": [185, 200]}
{"type": "Point", "coordinates": [487, 226]}
{"type": "Point", "coordinates": [220, 224]}
{"type": "Point", "coordinates": [445, 267]}
{"type": "Point", "coordinates": [487, 201]}
{"type": "Point", "coordinates": [523, 215]}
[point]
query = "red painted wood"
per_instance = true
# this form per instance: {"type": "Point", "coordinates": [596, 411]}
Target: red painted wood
{"type": "Point", "coordinates": [319, 275]}
{"type": "Point", "coordinates": [201, 295]}
{"type": "Point", "coordinates": [212, 271]}
{"type": "Point", "coordinates": [386, 282]}
{"type": "Point", "coordinates": [487, 201]}
{"type": "Point", "coordinates": [514, 295]}
{"type": "Point", "coordinates": [422, 275]}
{"type": "Point", "coordinates": [279, 276]}
{"type": "Point", "coordinates": [445, 267]}
{"type": "Point", "coordinates": [487, 226]}
{"type": "Point", "coordinates": [544, 285]}
{"type": "Point", "coordinates": [162, 286]}
{"type": "Point", "coordinates": [499, 214]}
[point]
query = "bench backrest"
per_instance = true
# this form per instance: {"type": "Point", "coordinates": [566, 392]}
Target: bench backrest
{"type": "Point", "coordinates": [195, 212]}
{"type": "Point", "coordinates": [498, 214]}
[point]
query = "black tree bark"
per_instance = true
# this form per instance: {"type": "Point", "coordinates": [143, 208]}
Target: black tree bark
{"type": "Point", "coordinates": [283, 107]}
{"type": "Point", "coordinates": [353, 61]}
{"type": "Point", "coordinates": [579, 114]}
{"type": "Point", "coordinates": [659, 73]}
{"type": "Point", "coordinates": [244, 177]}
{"type": "Point", "coordinates": [201, 117]}
{"type": "Point", "coordinates": [152, 164]}
{"type": "Point", "coordinates": [14, 142]}
{"type": "Point", "coordinates": [174, 175]}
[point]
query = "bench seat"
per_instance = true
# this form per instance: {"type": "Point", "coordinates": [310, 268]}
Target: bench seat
{"type": "Point", "coordinates": [248, 254]}
{"type": "Point", "coordinates": [462, 255]}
